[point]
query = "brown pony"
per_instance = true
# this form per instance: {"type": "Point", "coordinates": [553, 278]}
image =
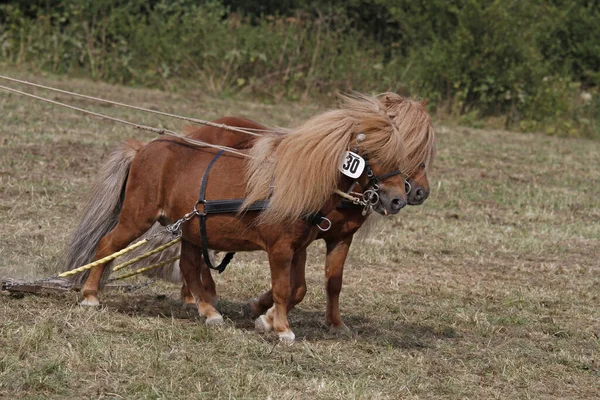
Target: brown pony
{"type": "Point", "coordinates": [297, 171]}
{"type": "Point", "coordinates": [346, 219]}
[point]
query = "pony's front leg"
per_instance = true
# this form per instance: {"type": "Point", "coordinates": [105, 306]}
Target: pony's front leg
{"type": "Point", "coordinates": [190, 263]}
{"type": "Point", "coordinates": [298, 281]}
{"type": "Point", "coordinates": [334, 270]}
{"type": "Point", "coordinates": [208, 283]}
{"type": "Point", "coordinates": [280, 261]}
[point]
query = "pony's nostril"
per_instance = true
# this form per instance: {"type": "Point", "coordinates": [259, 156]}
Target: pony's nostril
{"type": "Point", "coordinates": [420, 194]}
{"type": "Point", "coordinates": [397, 204]}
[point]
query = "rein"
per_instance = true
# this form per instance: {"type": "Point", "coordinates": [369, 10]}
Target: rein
{"type": "Point", "coordinates": [167, 132]}
{"type": "Point", "coordinates": [249, 131]}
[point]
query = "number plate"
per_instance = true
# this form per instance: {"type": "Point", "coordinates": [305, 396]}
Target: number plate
{"type": "Point", "coordinates": [352, 164]}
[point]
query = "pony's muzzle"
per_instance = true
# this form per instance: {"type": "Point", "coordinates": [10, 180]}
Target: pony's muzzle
{"type": "Point", "coordinates": [390, 203]}
{"type": "Point", "coordinates": [396, 204]}
{"type": "Point", "coordinates": [417, 196]}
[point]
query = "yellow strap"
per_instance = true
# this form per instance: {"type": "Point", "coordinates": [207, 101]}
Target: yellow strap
{"type": "Point", "coordinates": [146, 255]}
{"type": "Point", "coordinates": [148, 268]}
{"type": "Point", "coordinates": [103, 260]}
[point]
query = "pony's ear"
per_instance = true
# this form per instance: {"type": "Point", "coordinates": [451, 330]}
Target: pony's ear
{"type": "Point", "coordinates": [424, 102]}
{"type": "Point", "coordinates": [390, 99]}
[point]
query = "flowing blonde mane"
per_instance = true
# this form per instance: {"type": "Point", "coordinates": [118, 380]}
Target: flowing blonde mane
{"type": "Point", "coordinates": [416, 128]}
{"type": "Point", "coordinates": [298, 170]}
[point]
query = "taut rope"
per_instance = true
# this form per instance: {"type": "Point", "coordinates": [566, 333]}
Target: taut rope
{"type": "Point", "coordinates": [168, 132]}
{"type": "Point", "coordinates": [148, 268]}
{"type": "Point", "coordinates": [103, 260]}
{"type": "Point", "coordinates": [148, 254]}
{"type": "Point", "coordinates": [249, 131]}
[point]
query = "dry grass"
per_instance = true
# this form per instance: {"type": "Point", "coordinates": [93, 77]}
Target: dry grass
{"type": "Point", "coordinates": [489, 290]}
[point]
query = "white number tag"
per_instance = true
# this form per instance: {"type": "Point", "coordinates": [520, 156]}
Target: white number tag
{"type": "Point", "coordinates": [352, 165]}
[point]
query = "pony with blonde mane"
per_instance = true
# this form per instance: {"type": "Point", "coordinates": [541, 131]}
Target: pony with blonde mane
{"type": "Point", "coordinates": [321, 143]}
{"type": "Point", "coordinates": [297, 172]}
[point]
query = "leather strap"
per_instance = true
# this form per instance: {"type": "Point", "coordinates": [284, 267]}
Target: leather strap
{"type": "Point", "coordinates": [202, 218]}
{"type": "Point", "coordinates": [385, 176]}
{"type": "Point", "coordinates": [376, 179]}
{"type": "Point", "coordinates": [230, 206]}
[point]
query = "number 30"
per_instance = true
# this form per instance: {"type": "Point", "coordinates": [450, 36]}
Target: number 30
{"type": "Point", "coordinates": [351, 163]}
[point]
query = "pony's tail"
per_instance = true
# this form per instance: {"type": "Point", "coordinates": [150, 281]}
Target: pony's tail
{"type": "Point", "coordinates": [101, 212]}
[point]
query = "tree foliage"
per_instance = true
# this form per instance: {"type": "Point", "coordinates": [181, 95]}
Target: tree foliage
{"type": "Point", "coordinates": [535, 62]}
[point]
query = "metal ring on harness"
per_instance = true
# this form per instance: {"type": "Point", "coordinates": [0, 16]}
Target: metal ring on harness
{"type": "Point", "coordinates": [371, 196]}
{"type": "Point", "coordinates": [328, 226]}
{"type": "Point", "coordinates": [407, 187]}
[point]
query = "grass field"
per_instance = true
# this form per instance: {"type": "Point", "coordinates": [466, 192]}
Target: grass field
{"type": "Point", "coordinates": [491, 289]}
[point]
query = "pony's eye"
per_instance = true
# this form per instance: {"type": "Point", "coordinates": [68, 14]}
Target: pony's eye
{"type": "Point", "coordinates": [422, 165]}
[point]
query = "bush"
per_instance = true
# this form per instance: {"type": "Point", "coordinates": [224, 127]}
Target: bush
{"type": "Point", "coordinates": [534, 62]}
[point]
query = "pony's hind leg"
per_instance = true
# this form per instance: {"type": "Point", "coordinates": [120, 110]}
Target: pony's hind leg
{"type": "Point", "coordinates": [191, 264]}
{"type": "Point", "coordinates": [127, 230]}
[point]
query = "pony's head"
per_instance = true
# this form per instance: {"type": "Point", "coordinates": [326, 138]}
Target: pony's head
{"type": "Point", "coordinates": [417, 188]}
{"type": "Point", "coordinates": [298, 170]}
{"type": "Point", "coordinates": [415, 125]}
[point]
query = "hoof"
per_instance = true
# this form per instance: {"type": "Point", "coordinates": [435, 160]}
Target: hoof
{"type": "Point", "coordinates": [214, 320]}
{"type": "Point", "coordinates": [90, 302]}
{"type": "Point", "coordinates": [287, 337]}
{"type": "Point", "coordinates": [262, 325]}
{"type": "Point", "coordinates": [189, 306]}
{"type": "Point", "coordinates": [189, 301]}
{"type": "Point", "coordinates": [254, 308]}
{"type": "Point", "coordinates": [341, 330]}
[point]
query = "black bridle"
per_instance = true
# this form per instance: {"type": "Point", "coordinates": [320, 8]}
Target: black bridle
{"type": "Point", "coordinates": [370, 193]}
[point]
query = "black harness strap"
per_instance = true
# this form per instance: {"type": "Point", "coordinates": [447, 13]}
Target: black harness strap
{"type": "Point", "coordinates": [376, 179]}
{"type": "Point", "coordinates": [202, 218]}
{"type": "Point", "coordinates": [385, 176]}
{"type": "Point", "coordinates": [232, 206]}
{"type": "Point", "coordinates": [315, 219]}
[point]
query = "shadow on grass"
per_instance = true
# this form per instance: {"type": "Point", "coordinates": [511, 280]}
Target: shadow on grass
{"type": "Point", "coordinates": [307, 324]}
{"type": "Point", "coordinates": [385, 332]}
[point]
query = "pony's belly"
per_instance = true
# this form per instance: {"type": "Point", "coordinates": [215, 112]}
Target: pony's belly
{"type": "Point", "coordinates": [233, 244]}
{"type": "Point", "coordinates": [231, 232]}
